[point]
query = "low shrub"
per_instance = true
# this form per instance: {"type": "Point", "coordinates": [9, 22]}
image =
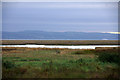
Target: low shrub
{"type": "Point", "coordinates": [109, 57]}
{"type": "Point", "coordinates": [83, 52]}
{"type": "Point", "coordinates": [8, 64]}
{"type": "Point", "coordinates": [80, 60]}
{"type": "Point", "coordinates": [78, 52]}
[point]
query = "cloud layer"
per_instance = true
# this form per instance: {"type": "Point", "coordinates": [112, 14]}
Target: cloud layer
{"type": "Point", "coordinates": [54, 16]}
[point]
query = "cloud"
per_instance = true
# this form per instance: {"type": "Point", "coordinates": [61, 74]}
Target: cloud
{"type": "Point", "coordinates": [64, 5]}
{"type": "Point", "coordinates": [112, 32]}
{"type": "Point", "coordinates": [26, 16]}
{"type": "Point", "coordinates": [60, 0]}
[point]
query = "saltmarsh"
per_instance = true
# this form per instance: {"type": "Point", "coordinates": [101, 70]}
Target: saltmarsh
{"type": "Point", "coordinates": [50, 64]}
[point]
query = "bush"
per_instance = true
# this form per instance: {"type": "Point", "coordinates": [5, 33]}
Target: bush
{"type": "Point", "coordinates": [109, 57]}
{"type": "Point", "coordinates": [80, 60]}
{"type": "Point", "coordinates": [8, 64]}
{"type": "Point", "coordinates": [78, 52]}
{"type": "Point", "coordinates": [83, 52]}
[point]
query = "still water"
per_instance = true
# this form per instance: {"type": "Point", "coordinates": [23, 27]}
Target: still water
{"type": "Point", "coordinates": [62, 46]}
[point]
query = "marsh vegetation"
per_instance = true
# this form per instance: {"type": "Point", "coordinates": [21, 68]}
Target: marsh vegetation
{"type": "Point", "coordinates": [61, 42]}
{"type": "Point", "coordinates": [60, 63]}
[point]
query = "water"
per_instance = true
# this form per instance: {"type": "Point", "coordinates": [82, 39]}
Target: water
{"type": "Point", "coordinates": [62, 46]}
{"type": "Point", "coordinates": [61, 39]}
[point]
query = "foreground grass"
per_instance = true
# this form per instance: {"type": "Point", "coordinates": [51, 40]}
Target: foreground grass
{"type": "Point", "coordinates": [51, 64]}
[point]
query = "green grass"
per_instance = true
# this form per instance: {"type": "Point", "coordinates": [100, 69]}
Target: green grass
{"type": "Point", "coordinates": [49, 64]}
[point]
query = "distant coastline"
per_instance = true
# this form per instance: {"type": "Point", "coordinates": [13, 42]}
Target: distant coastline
{"type": "Point", "coordinates": [43, 35]}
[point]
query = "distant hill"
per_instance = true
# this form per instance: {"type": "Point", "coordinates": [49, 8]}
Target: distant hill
{"type": "Point", "coordinates": [58, 35]}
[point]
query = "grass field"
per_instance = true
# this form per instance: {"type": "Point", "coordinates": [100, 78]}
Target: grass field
{"type": "Point", "coordinates": [61, 42]}
{"type": "Point", "coordinates": [60, 63]}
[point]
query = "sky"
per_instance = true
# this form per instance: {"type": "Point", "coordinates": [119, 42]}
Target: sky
{"type": "Point", "coordinates": [60, 16]}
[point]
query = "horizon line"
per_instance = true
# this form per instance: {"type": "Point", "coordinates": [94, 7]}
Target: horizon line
{"type": "Point", "coordinates": [114, 32]}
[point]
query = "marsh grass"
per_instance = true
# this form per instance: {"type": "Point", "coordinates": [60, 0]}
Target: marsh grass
{"type": "Point", "coordinates": [61, 42]}
{"type": "Point", "coordinates": [47, 64]}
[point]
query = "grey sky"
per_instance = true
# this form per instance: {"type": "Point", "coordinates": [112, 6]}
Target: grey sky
{"type": "Point", "coordinates": [58, 16]}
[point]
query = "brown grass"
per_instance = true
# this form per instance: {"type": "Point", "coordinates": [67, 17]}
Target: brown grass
{"type": "Point", "coordinates": [62, 50]}
{"type": "Point", "coordinates": [24, 49]}
{"type": "Point", "coordinates": [61, 42]}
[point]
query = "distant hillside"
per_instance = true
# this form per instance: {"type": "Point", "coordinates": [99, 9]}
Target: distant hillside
{"type": "Point", "coordinates": [58, 35]}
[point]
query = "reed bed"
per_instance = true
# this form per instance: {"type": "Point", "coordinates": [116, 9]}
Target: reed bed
{"type": "Point", "coordinates": [61, 42]}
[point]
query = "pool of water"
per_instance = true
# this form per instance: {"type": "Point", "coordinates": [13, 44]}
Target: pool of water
{"type": "Point", "coordinates": [62, 46]}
